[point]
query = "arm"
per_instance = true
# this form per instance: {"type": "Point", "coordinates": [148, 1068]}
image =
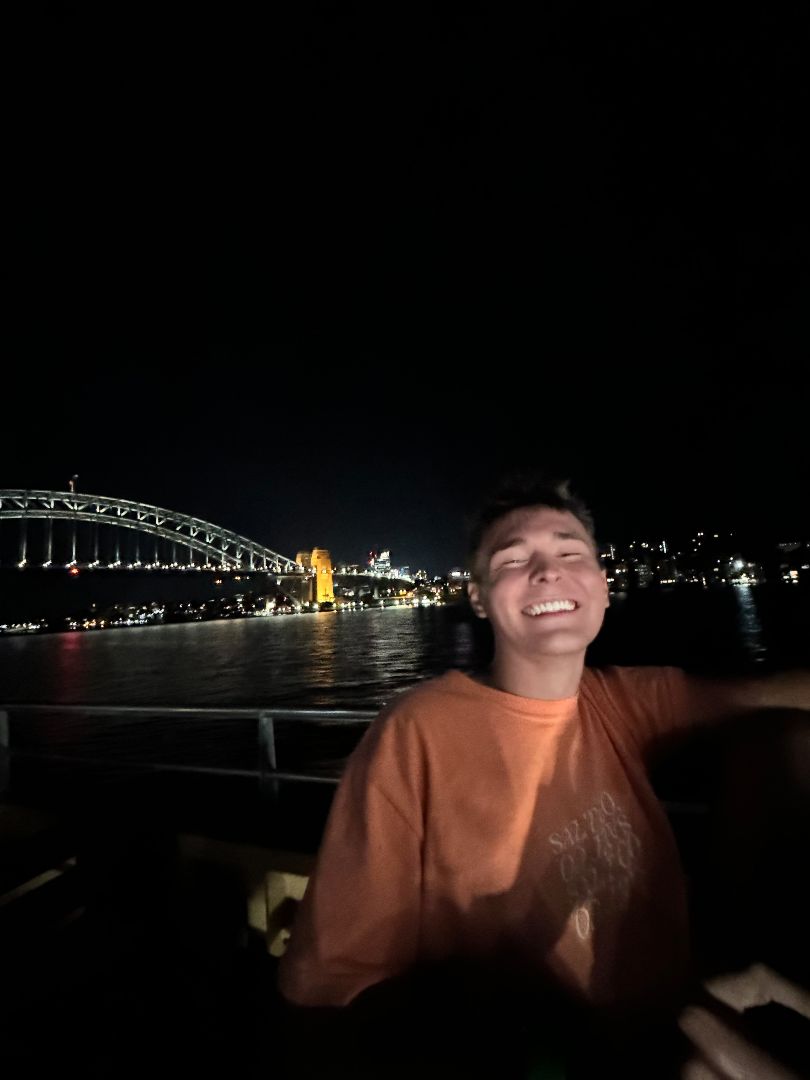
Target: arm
{"type": "Point", "coordinates": [696, 700]}
{"type": "Point", "coordinates": [359, 920]}
{"type": "Point", "coordinates": [784, 690]}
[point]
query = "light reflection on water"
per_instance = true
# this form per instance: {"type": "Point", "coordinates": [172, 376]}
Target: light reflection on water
{"type": "Point", "coordinates": [364, 658]}
{"type": "Point", "coordinates": [748, 621]}
{"type": "Point", "coordinates": [358, 658]}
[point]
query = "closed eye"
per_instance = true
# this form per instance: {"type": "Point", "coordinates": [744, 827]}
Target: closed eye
{"type": "Point", "coordinates": [516, 561]}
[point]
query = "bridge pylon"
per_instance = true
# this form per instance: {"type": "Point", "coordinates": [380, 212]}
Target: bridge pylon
{"type": "Point", "coordinates": [319, 561]}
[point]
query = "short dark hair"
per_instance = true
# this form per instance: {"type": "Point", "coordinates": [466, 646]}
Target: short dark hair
{"type": "Point", "coordinates": [519, 491]}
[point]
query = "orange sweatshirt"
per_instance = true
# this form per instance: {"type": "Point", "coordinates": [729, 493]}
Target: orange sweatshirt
{"type": "Point", "coordinates": [474, 823]}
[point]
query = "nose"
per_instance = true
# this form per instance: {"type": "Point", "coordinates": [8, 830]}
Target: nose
{"type": "Point", "coordinates": [543, 569]}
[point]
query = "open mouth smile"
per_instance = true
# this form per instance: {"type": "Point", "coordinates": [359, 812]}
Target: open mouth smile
{"type": "Point", "coordinates": [551, 607]}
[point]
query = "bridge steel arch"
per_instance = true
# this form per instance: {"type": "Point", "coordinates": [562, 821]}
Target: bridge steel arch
{"type": "Point", "coordinates": [229, 550]}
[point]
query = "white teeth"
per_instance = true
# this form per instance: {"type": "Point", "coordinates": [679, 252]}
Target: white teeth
{"type": "Point", "coordinates": [550, 606]}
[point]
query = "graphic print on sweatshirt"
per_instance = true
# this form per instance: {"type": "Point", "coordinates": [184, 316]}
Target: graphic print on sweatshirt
{"type": "Point", "coordinates": [598, 858]}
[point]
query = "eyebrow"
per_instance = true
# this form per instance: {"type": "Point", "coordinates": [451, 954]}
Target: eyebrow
{"type": "Point", "coordinates": [515, 540]}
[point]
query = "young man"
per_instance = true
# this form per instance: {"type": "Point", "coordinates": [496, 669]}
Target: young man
{"type": "Point", "coordinates": [507, 821]}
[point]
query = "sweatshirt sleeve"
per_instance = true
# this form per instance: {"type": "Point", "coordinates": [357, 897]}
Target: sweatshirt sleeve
{"type": "Point", "coordinates": [358, 923]}
{"type": "Point", "coordinates": [658, 702]}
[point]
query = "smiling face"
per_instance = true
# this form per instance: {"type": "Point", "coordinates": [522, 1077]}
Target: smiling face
{"type": "Point", "coordinates": [538, 580]}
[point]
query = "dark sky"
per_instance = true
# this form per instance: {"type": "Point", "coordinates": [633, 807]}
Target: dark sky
{"type": "Point", "coordinates": [319, 276]}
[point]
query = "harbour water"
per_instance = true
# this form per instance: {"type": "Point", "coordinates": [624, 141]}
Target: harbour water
{"type": "Point", "coordinates": [358, 659]}
{"type": "Point", "coordinates": [363, 658]}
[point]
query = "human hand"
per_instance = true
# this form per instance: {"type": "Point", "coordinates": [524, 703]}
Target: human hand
{"type": "Point", "coordinates": [724, 1052]}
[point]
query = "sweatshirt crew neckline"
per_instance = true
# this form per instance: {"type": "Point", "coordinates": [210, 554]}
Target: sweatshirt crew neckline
{"type": "Point", "coordinates": [534, 708]}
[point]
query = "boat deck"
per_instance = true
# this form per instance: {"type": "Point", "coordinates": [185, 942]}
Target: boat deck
{"type": "Point", "coordinates": [139, 911]}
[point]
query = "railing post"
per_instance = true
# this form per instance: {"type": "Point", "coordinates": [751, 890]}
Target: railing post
{"type": "Point", "coordinates": [267, 754]}
{"type": "Point", "coordinates": [5, 752]}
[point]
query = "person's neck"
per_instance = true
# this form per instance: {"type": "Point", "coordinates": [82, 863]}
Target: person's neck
{"type": "Point", "coordinates": [547, 678]}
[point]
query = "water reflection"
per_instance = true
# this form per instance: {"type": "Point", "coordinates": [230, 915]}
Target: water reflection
{"type": "Point", "coordinates": [365, 658]}
{"type": "Point", "coordinates": [748, 621]}
{"type": "Point", "coordinates": [322, 649]}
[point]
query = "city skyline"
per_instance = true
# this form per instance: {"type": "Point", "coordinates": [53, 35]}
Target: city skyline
{"type": "Point", "coordinates": [40, 531]}
{"type": "Point", "coordinates": [712, 561]}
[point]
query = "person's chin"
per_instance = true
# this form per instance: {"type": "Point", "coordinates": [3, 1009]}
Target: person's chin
{"type": "Point", "coordinates": [556, 644]}
{"type": "Point", "coordinates": [558, 648]}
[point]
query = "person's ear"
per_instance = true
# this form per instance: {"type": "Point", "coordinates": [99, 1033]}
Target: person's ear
{"type": "Point", "coordinates": [607, 590]}
{"type": "Point", "coordinates": [474, 593]}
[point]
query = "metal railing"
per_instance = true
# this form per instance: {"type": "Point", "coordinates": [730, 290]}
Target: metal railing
{"type": "Point", "coordinates": [266, 769]}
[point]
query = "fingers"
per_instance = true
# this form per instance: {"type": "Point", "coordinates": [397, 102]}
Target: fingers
{"type": "Point", "coordinates": [695, 1069]}
{"type": "Point", "coordinates": [726, 1051]}
{"type": "Point", "coordinates": [759, 985]}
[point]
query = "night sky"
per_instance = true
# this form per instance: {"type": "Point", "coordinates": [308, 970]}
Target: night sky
{"type": "Point", "coordinates": [320, 276]}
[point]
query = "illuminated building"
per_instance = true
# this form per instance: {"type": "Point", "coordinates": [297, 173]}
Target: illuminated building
{"type": "Point", "coordinates": [380, 564]}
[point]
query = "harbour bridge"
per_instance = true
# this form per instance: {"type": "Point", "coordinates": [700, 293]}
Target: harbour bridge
{"type": "Point", "coordinates": [78, 531]}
